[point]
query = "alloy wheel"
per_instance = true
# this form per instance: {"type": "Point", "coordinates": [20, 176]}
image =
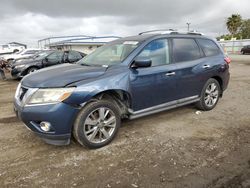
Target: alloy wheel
{"type": "Point", "coordinates": [211, 95]}
{"type": "Point", "coordinates": [99, 125]}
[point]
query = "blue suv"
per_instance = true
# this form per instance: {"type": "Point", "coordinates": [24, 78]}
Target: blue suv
{"type": "Point", "coordinates": [128, 78]}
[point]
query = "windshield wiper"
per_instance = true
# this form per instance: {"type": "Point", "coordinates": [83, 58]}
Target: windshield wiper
{"type": "Point", "coordinates": [84, 64]}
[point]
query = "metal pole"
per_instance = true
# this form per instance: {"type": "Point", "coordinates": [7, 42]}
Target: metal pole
{"type": "Point", "coordinates": [188, 24]}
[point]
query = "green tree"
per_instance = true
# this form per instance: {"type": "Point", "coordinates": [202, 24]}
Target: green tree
{"type": "Point", "coordinates": [245, 29]}
{"type": "Point", "coordinates": [234, 23]}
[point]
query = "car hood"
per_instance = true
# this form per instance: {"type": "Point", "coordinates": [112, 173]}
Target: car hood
{"type": "Point", "coordinates": [24, 61]}
{"type": "Point", "coordinates": [61, 75]}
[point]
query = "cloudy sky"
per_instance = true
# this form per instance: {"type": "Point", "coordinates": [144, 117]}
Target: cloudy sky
{"type": "Point", "coordinates": [30, 20]}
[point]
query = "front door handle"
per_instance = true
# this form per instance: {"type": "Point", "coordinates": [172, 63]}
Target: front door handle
{"type": "Point", "coordinates": [170, 74]}
{"type": "Point", "coordinates": [206, 66]}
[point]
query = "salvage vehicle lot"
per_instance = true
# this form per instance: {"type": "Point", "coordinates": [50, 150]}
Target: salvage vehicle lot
{"type": "Point", "coordinates": [177, 148]}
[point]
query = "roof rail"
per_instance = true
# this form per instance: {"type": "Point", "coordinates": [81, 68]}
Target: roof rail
{"type": "Point", "coordinates": [157, 30]}
{"type": "Point", "coordinates": [171, 31]}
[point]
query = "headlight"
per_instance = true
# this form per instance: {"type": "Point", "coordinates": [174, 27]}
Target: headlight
{"type": "Point", "coordinates": [54, 95]}
{"type": "Point", "coordinates": [20, 66]}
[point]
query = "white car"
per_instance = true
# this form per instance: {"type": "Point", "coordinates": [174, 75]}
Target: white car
{"type": "Point", "coordinates": [23, 54]}
{"type": "Point", "coordinates": [10, 48]}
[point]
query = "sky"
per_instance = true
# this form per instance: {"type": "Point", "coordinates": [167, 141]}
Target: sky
{"type": "Point", "coordinates": [27, 21]}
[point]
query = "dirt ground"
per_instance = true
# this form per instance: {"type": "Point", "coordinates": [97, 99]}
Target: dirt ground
{"type": "Point", "coordinates": [177, 148]}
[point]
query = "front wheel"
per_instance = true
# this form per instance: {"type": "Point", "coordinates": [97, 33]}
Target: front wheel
{"type": "Point", "coordinates": [31, 70]}
{"type": "Point", "coordinates": [97, 124]}
{"type": "Point", "coordinates": [210, 95]}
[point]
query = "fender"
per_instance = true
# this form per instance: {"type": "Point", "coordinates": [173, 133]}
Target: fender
{"type": "Point", "coordinates": [112, 80]}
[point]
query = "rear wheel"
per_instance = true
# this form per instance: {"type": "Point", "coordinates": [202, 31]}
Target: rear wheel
{"type": "Point", "coordinates": [97, 124]}
{"type": "Point", "coordinates": [210, 95]}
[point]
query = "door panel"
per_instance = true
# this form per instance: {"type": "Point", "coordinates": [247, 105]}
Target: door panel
{"type": "Point", "coordinates": [54, 58]}
{"type": "Point", "coordinates": [187, 57]}
{"type": "Point", "coordinates": [190, 78]}
{"type": "Point", "coordinates": [151, 86]}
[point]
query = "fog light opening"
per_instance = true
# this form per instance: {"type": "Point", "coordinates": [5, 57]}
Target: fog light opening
{"type": "Point", "coordinates": [45, 126]}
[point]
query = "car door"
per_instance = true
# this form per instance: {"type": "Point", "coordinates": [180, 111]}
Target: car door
{"type": "Point", "coordinates": [193, 69]}
{"type": "Point", "coordinates": [54, 59]}
{"type": "Point", "coordinates": [154, 85]}
{"type": "Point", "coordinates": [248, 49]}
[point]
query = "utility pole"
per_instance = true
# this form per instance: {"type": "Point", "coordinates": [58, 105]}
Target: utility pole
{"type": "Point", "coordinates": [188, 24]}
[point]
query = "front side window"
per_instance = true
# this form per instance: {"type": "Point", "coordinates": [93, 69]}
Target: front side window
{"type": "Point", "coordinates": [185, 49]}
{"type": "Point", "coordinates": [208, 47]}
{"type": "Point", "coordinates": [55, 57]}
{"type": "Point", "coordinates": [74, 56]}
{"type": "Point", "coordinates": [157, 51]}
{"type": "Point", "coordinates": [110, 54]}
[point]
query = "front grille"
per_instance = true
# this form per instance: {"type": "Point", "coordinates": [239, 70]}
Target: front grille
{"type": "Point", "coordinates": [23, 94]}
{"type": "Point", "coordinates": [23, 91]}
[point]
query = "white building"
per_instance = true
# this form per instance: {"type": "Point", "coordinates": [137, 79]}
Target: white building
{"type": "Point", "coordinates": [83, 44]}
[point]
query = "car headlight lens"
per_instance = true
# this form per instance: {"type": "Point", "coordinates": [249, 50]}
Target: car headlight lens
{"type": "Point", "coordinates": [54, 95]}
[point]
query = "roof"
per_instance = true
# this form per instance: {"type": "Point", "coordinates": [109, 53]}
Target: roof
{"type": "Point", "coordinates": [17, 43]}
{"type": "Point", "coordinates": [144, 37]}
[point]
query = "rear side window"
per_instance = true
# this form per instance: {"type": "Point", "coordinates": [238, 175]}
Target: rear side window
{"type": "Point", "coordinates": [209, 47]}
{"type": "Point", "coordinates": [185, 50]}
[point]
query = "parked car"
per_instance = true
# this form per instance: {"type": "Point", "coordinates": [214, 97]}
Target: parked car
{"type": "Point", "coordinates": [22, 54]}
{"type": "Point", "coordinates": [245, 50]}
{"type": "Point", "coordinates": [11, 48]}
{"type": "Point", "coordinates": [22, 67]}
{"type": "Point", "coordinates": [127, 78]}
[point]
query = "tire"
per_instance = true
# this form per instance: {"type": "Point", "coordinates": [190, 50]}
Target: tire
{"type": "Point", "coordinates": [95, 133]}
{"type": "Point", "coordinates": [242, 52]}
{"type": "Point", "coordinates": [31, 70]}
{"type": "Point", "coordinates": [209, 95]}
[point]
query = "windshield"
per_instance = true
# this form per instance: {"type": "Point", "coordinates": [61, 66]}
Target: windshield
{"type": "Point", "coordinates": [42, 55]}
{"type": "Point", "coordinates": [110, 54]}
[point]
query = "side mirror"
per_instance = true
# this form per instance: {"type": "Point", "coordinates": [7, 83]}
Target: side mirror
{"type": "Point", "coordinates": [46, 59]}
{"type": "Point", "coordinates": [141, 63]}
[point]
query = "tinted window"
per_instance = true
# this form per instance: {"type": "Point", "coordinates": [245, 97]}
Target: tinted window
{"type": "Point", "coordinates": [55, 57]}
{"type": "Point", "coordinates": [157, 51]}
{"type": "Point", "coordinates": [185, 50]}
{"type": "Point", "coordinates": [208, 47]}
{"type": "Point", "coordinates": [74, 56]}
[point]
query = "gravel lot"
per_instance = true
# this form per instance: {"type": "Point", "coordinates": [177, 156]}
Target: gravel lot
{"type": "Point", "coordinates": [177, 148]}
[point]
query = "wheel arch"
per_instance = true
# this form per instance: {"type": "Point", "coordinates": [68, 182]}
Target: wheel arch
{"type": "Point", "coordinates": [219, 79]}
{"type": "Point", "coordinates": [121, 97]}
{"type": "Point", "coordinates": [32, 66]}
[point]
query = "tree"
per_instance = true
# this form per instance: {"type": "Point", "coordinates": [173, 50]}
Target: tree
{"type": "Point", "coordinates": [245, 29]}
{"type": "Point", "coordinates": [234, 23]}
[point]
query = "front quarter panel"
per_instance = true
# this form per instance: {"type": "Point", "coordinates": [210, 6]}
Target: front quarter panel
{"type": "Point", "coordinates": [116, 78]}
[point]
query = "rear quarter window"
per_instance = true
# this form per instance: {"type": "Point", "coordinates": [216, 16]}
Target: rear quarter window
{"type": "Point", "coordinates": [209, 47]}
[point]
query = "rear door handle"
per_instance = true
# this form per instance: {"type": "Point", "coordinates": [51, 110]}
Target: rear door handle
{"type": "Point", "coordinates": [170, 74]}
{"type": "Point", "coordinates": [206, 66]}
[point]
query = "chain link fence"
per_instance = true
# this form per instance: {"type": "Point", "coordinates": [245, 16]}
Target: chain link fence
{"type": "Point", "coordinates": [234, 46]}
